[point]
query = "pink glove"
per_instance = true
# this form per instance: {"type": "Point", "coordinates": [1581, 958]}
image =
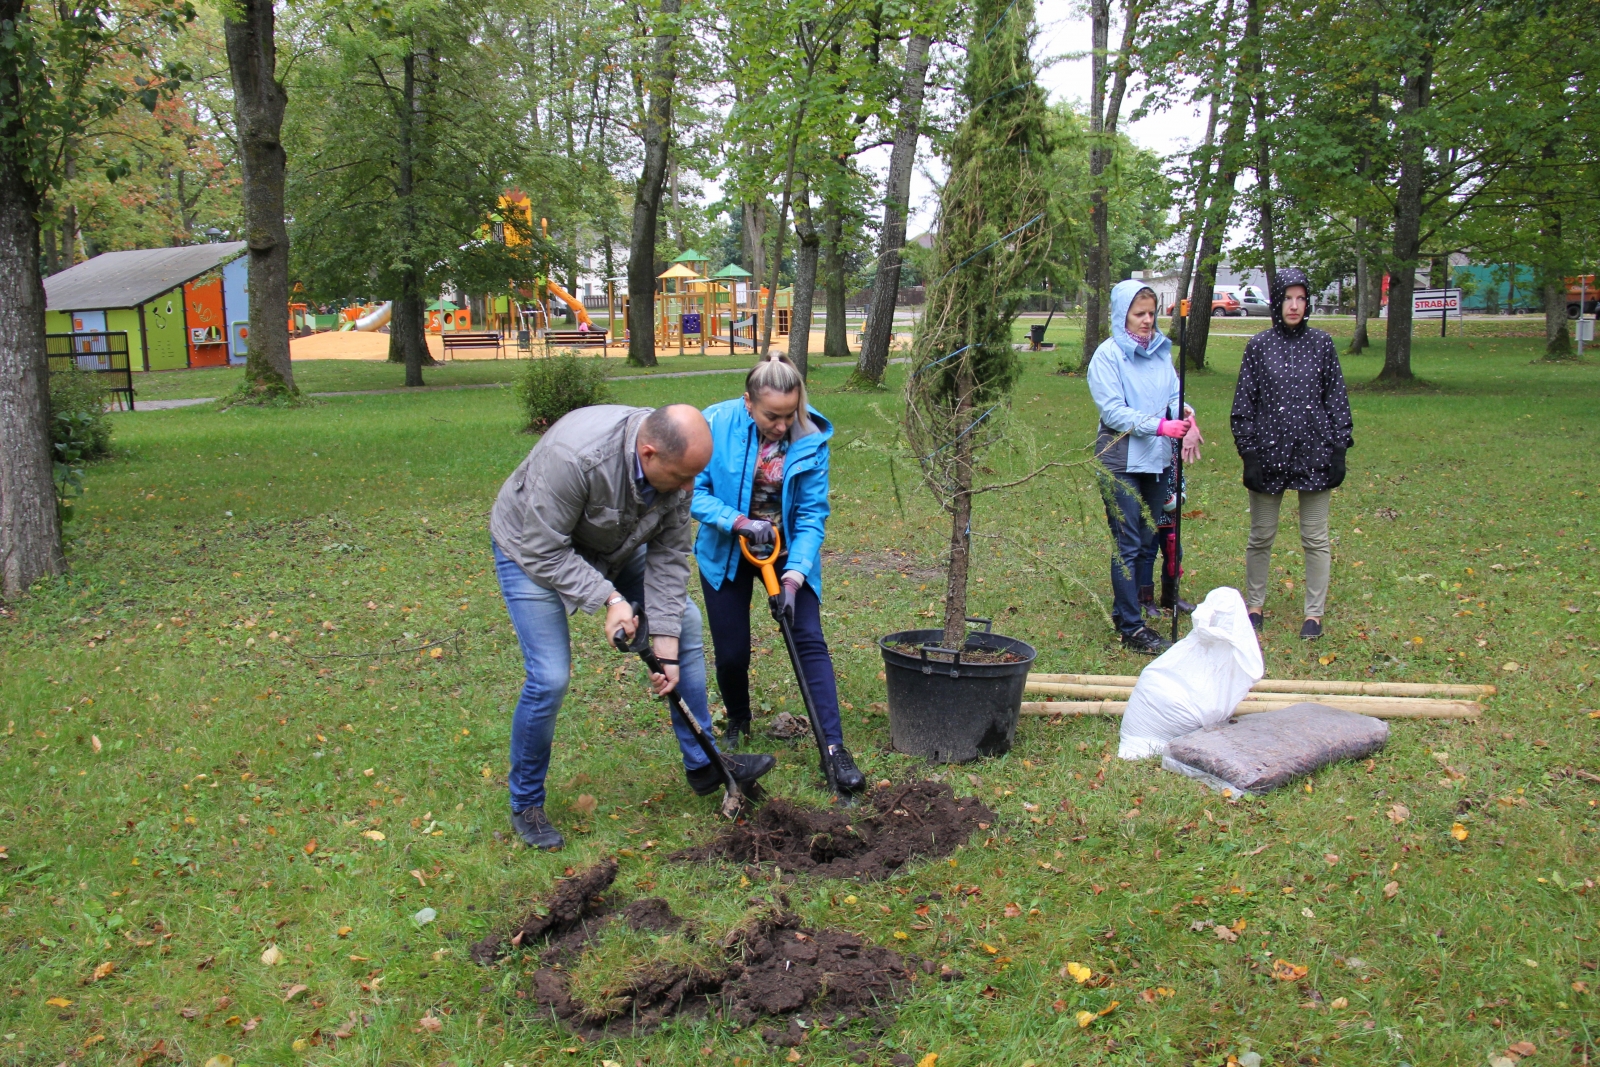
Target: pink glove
{"type": "Point", "coordinates": [1173, 427]}
{"type": "Point", "coordinates": [1192, 442]}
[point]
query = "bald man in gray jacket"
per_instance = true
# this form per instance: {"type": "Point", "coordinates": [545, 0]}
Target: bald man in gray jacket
{"type": "Point", "coordinates": [597, 516]}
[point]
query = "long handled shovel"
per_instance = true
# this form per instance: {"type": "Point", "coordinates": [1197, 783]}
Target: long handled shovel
{"type": "Point", "coordinates": [1177, 516]}
{"type": "Point", "coordinates": [767, 565]}
{"type": "Point", "coordinates": [732, 798]}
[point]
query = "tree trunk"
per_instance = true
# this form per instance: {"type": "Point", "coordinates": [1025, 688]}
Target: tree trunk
{"type": "Point", "coordinates": [783, 229]}
{"type": "Point", "coordinates": [836, 335]}
{"type": "Point", "coordinates": [30, 527]}
{"type": "Point", "coordinates": [879, 327]}
{"type": "Point", "coordinates": [1407, 224]}
{"type": "Point", "coordinates": [1202, 184]}
{"type": "Point", "coordinates": [1557, 333]}
{"type": "Point", "coordinates": [955, 595]}
{"type": "Point", "coordinates": [1094, 267]}
{"type": "Point", "coordinates": [1359, 341]}
{"type": "Point", "coordinates": [753, 235]}
{"type": "Point", "coordinates": [1269, 254]}
{"type": "Point", "coordinates": [1215, 229]}
{"type": "Point", "coordinates": [657, 136]}
{"type": "Point", "coordinates": [805, 282]}
{"type": "Point", "coordinates": [258, 104]}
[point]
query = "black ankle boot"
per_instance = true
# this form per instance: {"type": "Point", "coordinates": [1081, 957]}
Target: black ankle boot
{"type": "Point", "coordinates": [1147, 602]}
{"type": "Point", "coordinates": [1170, 599]}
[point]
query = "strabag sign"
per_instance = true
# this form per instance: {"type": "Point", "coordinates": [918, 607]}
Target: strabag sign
{"type": "Point", "coordinates": [1435, 303]}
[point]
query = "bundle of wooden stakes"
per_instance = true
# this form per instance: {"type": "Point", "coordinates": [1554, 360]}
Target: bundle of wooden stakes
{"type": "Point", "coordinates": [1107, 694]}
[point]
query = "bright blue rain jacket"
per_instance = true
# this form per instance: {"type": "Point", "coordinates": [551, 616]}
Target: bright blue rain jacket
{"type": "Point", "coordinates": [722, 494]}
{"type": "Point", "coordinates": [1135, 388]}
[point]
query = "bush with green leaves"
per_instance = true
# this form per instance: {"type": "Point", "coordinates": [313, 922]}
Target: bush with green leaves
{"type": "Point", "coordinates": [555, 385]}
{"type": "Point", "coordinates": [79, 432]}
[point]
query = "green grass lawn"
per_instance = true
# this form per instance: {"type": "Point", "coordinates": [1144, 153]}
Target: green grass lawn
{"type": "Point", "coordinates": [219, 737]}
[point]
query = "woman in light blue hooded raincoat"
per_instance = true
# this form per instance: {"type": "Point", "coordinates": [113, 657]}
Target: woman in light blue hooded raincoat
{"type": "Point", "coordinates": [1135, 387]}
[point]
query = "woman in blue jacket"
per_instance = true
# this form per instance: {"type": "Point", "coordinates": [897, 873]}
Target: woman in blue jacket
{"type": "Point", "coordinates": [769, 469]}
{"type": "Point", "coordinates": [1133, 384]}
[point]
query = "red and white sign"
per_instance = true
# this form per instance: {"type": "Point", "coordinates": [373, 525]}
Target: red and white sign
{"type": "Point", "coordinates": [1436, 303]}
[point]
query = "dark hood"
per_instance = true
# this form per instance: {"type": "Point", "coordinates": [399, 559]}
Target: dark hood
{"type": "Point", "coordinates": [1287, 277]}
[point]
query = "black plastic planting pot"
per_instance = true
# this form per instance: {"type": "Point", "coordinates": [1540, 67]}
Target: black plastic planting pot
{"type": "Point", "coordinates": [949, 709]}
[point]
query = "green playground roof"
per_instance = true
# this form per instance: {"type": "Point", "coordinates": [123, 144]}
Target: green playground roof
{"type": "Point", "coordinates": [692, 255]}
{"type": "Point", "coordinates": [732, 270]}
{"type": "Point", "coordinates": [442, 305]}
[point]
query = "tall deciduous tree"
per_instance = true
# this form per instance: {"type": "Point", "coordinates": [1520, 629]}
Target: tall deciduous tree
{"type": "Point", "coordinates": [879, 327]}
{"type": "Point", "coordinates": [658, 84]}
{"type": "Point", "coordinates": [259, 100]}
{"type": "Point", "coordinates": [1107, 87]}
{"type": "Point", "coordinates": [53, 83]}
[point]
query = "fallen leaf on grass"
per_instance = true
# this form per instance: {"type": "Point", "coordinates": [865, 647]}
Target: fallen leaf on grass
{"type": "Point", "coordinates": [417, 874]}
{"type": "Point", "coordinates": [309, 847]}
{"type": "Point", "coordinates": [436, 652]}
{"type": "Point", "coordinates": [1390, 890]}
{"type": "Point", "coordinates": [1521, 1050]}
{"type": "Point", "coordinates": [345, 931]}
{"type": "Point", "coordinates": [250, 1024]}
{"type": "Point", "coordinates": [1330, 858]}
{"type": "Point", "coordinates": [294, 991]}
{"type": "Point", "coordinates": [1339, 1003]}
{"type": "Point", "coordinates": [1150, 996]}
{"type": "Point", "coordinates": [1398, 813]}
{"type": "Point", "coordinates": [1012, 911]}
{"type": "Point", "coordinates": [794, 1056]}
{"type": "Point", "coordinates": [104, 970]}
{"type": "Point", "coordinates": [1458, 831]}
{"type": "Point", "coordinates": [272, 956]}
{"type": "Point", "coordinates": [1078, 972]}
{"type": "Point", "coordinates": [431, 1023]}
{"type": "Point", "coordinates": [221, 1059]}
{"type": "Point", "coordinates": [373, 835]}
{"type": "Point", "coordinates": [1087, 1017]}
{"type": "Point", "coordinates": [1225, 934]}
{"type": "Point", "coordinates": [1329, 658]}
{"type": "Point", "coordinates": [189, 1013]}
{"type": "Point", "coordinates": [1284, 971]}
{"type": "Point", "coordinates": [59, 1002]}
{"type": "Point", "coordinates": [1580, 987]}
{"type": "Point", "coordinates": [930, 1060]}
{"type": "Point", "coordinates": [94, 742]}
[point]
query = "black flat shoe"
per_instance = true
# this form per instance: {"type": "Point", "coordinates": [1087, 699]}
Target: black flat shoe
{"type": "Point", "coordinates": [747, 767]}
{"type": "Point", "coordinates": [536, 830]}
{"type": "Point", "coordinates": [1146, 642]}
{"type": "Point", "coordinates": [846, 775]}
{"type": "Point", "coordinates": [1311, 629]}
{"type": "Point", "coordinates": [1256, 621]}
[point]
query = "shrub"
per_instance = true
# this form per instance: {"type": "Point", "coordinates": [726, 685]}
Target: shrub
{"type": "Point", "coordinates": [79, 432]}
{"type": "Point", "coordinates": [78, 412]}
{"type": "Point", "coordinates": [555, 385]}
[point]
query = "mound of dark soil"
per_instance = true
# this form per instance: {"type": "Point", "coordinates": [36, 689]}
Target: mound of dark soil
{"type": "Point", "coordinates": [894, 825]}
{"type": "Point", "coordinates": [573, 912]}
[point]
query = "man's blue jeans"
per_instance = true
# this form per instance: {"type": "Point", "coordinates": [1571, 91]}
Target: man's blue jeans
{"type": "Point", "coordinates": [1134, 562]}
{"type": "Point", "coordinates": [540, 620]}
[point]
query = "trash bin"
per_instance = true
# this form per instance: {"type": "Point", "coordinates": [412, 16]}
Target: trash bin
{"type": "Point", "coordinates": [1036, 335]}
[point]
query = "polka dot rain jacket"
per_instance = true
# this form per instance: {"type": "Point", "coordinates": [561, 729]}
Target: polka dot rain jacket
{"type": "Point", "coordinates": [1291, 414]}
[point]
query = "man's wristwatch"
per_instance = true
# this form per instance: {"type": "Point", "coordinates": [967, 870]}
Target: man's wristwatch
{"type": "Point", "coordinates": [614, 599]}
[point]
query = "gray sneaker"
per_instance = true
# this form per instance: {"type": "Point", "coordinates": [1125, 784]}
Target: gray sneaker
{"type": "Point", "coordinates": [535, 830]}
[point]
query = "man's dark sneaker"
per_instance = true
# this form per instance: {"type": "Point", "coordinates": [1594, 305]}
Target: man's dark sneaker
{"type": "Point", "coordinates": [535, 830]}
{"type": "Point", "coordinates": [747, 767]}
{"type": "Point", "coordinates": [736, 734]}
{"type": "Point", "coordinates": [1146, 642]}
{"type": "Point", "coordinates": [846, 775]}
{"type": "Point", "coordinates": [1311, 629]}
{"type": "Point", "coordinates": [1256, 621]}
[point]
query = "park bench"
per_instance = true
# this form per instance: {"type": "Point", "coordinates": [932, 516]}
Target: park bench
{"type": "Point", "coordinates": [455, 341]}
{"type": "Point", "coordinates": [576, 339]}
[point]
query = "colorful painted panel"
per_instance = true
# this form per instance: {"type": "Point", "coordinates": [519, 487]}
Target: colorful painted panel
{"type": "Point", "coordinates": [207, 327]}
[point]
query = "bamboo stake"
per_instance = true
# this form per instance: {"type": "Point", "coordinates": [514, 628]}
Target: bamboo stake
{"type": "Point", "coordinates": [1409, 709]}
{"type": "Point", "coordinates": [1113, 692]}
{"type": "Point", "coordinates": [1276, 685]}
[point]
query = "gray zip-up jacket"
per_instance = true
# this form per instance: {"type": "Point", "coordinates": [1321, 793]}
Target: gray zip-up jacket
{"type": "Point", "coordinates": [571, 517]}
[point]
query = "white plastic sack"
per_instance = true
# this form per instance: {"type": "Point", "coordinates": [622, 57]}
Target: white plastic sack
{"type": "Point", "coordinates": [1198, 681]}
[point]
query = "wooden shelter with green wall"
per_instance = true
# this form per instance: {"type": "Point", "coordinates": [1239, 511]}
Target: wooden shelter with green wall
{"type": "Point", "coordinates": [143, 293]}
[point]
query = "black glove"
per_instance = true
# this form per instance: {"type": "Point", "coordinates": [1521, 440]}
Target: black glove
{"type": "Point", "coordinates": [757, 531]}
{"type": "Point", "coordinates": [1336, 469]}
{"type": "Point", "coordinates": [1252, 471]}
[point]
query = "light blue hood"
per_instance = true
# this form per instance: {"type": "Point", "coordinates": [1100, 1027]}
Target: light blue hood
{"type": "Point", "coordinates": [1122, 295]}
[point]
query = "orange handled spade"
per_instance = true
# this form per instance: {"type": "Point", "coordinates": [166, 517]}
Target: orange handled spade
{"type": "Point", "coordinates": [767, 565]}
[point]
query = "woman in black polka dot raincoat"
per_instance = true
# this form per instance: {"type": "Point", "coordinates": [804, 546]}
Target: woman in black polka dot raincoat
{"type": "Point", "coordinates": [1292, 426]}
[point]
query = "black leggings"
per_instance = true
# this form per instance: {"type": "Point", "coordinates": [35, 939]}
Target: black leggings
{"type": "Point", "coordinates": [728, 615]}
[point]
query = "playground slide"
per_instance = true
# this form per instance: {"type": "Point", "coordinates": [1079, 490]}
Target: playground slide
{"type": "Point", "coordinates": [377, 318]}
{"type": "Point", "coordinates": [576, 305]}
